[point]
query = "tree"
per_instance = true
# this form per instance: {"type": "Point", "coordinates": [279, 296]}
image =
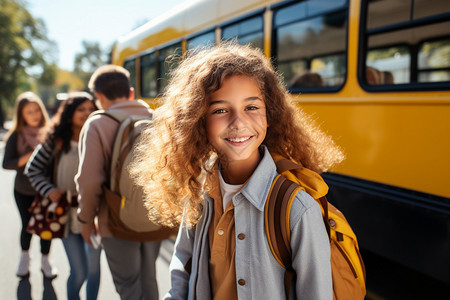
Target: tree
{"type": "Point", "coordinates": [89, 60]}
{"type": "Point", "coordinates": [26, 54]}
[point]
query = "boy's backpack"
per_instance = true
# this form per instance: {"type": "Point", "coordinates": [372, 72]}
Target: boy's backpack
{"type": "Point", "coordinates": [348, 273]}
{"type": "Point", "coordinates": [128, 217]}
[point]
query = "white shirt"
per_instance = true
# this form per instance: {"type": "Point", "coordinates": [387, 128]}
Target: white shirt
{"type": "Point", "coordinates": [227, 190]}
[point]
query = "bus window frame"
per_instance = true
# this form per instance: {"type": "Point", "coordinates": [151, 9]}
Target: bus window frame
{"type": "Point", "coordinates": [363, 36]}
{"type": "Point", "coordinates": [159, 78]}
{"type": "Point", "coordinates": [135, 60]}
{"type": "Point", "coordinates": [253, 14]}
{"type": "Point", "coordinates": [273, 45]}
{"type": "Point", "coordinates": [321, 89]}
{"type": "Point", "coordinates": [420, 44]}
{"type": "Point", "coordinates": [141, 77]}
{"type": "Point", "coordinates": [200, 33]}
{"type": "Point", "coordinates": [277, 6]}
{"type": "Point", "coordinates": [410, 51]}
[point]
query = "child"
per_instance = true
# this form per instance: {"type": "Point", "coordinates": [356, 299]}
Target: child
{"type": "Point", "coordinates": [62, 147]}
{"type": "Point", "coordinates": [29, 124]}
{"type": "Point", "coordinates": [206, 163]}
{"type": "Point", "coordinates": [131, 259]}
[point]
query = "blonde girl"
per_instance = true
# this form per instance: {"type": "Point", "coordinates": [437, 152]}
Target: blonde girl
{"type": "Point", "coordinates": [206, 163]}
{"type": "Point", "coordinates": [29, 127]}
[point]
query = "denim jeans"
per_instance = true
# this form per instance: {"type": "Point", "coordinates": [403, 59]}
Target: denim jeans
{"type": "Point", "coordinates": [84, 265]}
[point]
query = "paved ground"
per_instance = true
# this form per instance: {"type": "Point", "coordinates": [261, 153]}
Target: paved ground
{"type": "Point", "coordinates": [34, 287]}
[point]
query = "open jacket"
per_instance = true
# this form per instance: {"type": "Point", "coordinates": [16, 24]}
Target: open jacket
{"type": "Point", "coordinates": [263, 276]}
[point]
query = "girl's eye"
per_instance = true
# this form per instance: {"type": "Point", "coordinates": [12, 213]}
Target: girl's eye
{"type": "Point", "coordinates": [219, 111]}
{"type": "Point", "coordinates": [251, 108]}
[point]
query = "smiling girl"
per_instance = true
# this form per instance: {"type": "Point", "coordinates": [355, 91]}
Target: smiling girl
{"type": "Point", "coordinates": [206, 163]}
{"type": "Point", "coordinates": [29, 125]}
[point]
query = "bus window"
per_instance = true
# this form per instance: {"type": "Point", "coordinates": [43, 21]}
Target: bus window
{"type": "Point", "coordinates": [434, 61]}
{"type": "Point", "coordinates": [308, 47]}
{"type": "Point", "coordinates": [249, 31]}
{"type": "Point", "coordinates": [168, 59]}
{"type": "Point", "coordinates": [331, 68]}
{"type": "Point", "coordinates": [421, 28]}
{"type": "Point", "coordinates": [130, 65]}
{"type": "Point", "coordinates": [206, 39]}
{"type": "Point", "coordinates": [148, 75]}
{"type": "Point", "coordinates": [389, 65]}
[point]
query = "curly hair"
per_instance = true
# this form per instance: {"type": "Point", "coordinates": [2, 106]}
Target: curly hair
{"type": "Point", "coordinates": [174, 153]}
{"type": "Point", "coordinates": [62, 126]}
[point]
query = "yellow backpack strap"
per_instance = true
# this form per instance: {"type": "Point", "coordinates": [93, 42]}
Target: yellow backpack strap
{"type": "Point", "coordinates": [276, 215]}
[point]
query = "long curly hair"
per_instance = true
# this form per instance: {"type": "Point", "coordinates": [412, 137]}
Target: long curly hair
{"type": "Point", "coordinates": [62, 124]}
{"type": "Point", "coordinates": [174, 153]}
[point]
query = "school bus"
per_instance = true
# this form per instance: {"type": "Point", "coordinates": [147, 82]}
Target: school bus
{"type": "Point", "coordinates": [375, 74]}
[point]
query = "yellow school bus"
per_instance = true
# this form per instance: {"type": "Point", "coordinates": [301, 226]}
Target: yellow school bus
{"type": "Point", "coordinates": [375, 74]}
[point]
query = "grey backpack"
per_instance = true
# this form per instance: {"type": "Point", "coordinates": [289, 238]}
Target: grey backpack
{"type": "Point", "coordinates": [128, 217]}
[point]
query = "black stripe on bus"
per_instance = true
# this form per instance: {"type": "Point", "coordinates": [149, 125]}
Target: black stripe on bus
{"type": "Point", "coordinates": [431, 202]}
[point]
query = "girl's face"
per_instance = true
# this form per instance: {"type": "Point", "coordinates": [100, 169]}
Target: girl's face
{"type": "Point", "coordinates": [32, 114]}
{"type": "Point", "coordinates": [236, 121]}
{"type": "Point", "coordinates": [81, 113]}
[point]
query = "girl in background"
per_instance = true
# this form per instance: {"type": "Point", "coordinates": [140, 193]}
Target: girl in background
{"type": "Point", "coordinates": [61, 147]}
{"type": "Point", "coordinates": [29, 126]}
{"type": "Point", "coordinates": [206, 163]}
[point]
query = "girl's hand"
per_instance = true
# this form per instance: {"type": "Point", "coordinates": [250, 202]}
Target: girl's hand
{"type": "Point", "coordinates": [56, 195]}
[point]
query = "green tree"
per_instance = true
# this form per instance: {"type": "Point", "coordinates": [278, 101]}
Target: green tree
{"type": "Point", "coordinates": [26, 54]}
{"type": "Point", "coordinates": [87, 61]}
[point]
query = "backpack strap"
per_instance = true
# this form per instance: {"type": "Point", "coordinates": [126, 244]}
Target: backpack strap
{"type": "Point", "coordinates": [125, 130]}
{"type": "Point", "coordinates": [276, 215]}
{"type": "Point", "coordinates": [118, 116]}
{"type": "Point", "coordinates": [284, 165]}
{"type": "Point", "coordinates": [127, 141]}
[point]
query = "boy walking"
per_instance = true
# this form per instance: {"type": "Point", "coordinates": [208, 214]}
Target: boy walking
{"type": "Point", "coordinates": [132, 263]}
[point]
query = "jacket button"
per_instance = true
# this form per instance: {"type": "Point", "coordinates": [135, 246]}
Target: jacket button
{"type": "Point", "coordinates": [332, 223]}
{"type": "Point", "coordinates": [241, 236]}
{"type": "Point", "coordinates": [241, 282]}
{"type": "Point", "coordinates": [220, 232]}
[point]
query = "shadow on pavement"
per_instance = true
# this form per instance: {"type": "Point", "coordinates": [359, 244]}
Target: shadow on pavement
{"type": "Point", "coordinates": [24, 289]}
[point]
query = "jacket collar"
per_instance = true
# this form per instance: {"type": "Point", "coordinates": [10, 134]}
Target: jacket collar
{"type": "Point", "coordinates": [129, 103]}
{"type": "Point", "coordinates": [256, 189]}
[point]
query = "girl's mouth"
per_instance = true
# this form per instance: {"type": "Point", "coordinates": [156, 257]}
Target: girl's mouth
{"type": "Point", "coordinates": [239, 140]}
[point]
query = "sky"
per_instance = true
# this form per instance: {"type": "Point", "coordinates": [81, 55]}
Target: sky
{"type": "Point", "coordinates": [69, 22]}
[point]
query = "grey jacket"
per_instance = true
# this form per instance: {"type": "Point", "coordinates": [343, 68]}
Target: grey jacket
{"type": "Point", "coordinates": [255, 264]}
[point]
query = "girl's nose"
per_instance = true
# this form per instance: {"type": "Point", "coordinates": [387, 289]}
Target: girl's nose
{"type": "Point", "coordinates": [236, 121]}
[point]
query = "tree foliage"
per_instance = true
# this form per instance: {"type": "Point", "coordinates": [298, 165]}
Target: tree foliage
{"type": "Point", "coordinates": [87, 61]}
{"type": "Point", "coordinates": [26, 54]}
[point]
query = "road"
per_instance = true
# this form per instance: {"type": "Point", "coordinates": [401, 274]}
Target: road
{"type": "Point", "coordinates": [11, 287]}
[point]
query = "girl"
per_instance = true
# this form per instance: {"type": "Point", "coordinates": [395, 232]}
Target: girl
{"type": "Point", "coordinates": [207, 163]}
{"type": "Point", "coordinates": [29, 123]}
{"type": "Point", "coordinates": [62, 147]}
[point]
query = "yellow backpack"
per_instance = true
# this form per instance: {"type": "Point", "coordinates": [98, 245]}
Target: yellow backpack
{"type": "Point", "coordinates": [348, 273]}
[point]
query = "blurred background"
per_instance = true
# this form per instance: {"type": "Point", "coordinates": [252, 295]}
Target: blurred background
{"type": "Point", "coordinates": [53, 47]}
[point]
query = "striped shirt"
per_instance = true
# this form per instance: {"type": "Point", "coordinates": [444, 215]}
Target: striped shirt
{"type": "Point", "coordinates": [39, 168]}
